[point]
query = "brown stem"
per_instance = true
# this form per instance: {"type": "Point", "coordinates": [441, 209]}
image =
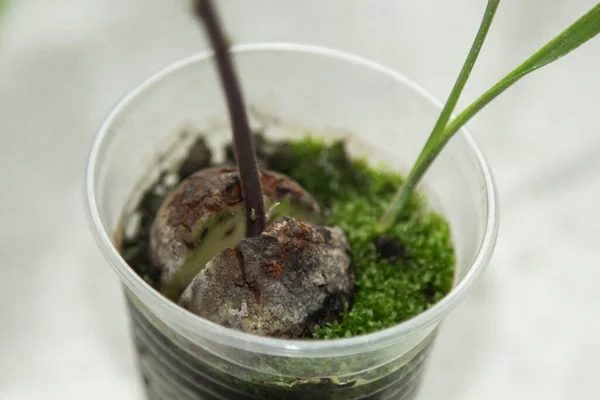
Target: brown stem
{"type": "Point", "coordinates": [242, 137]}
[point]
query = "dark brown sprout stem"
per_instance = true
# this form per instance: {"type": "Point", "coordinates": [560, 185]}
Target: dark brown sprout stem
{"type": "Point", "coordinates": [242, 138]}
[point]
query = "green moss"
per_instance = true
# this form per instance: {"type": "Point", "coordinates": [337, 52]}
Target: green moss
{"type": "Point", "coordinates": [353, 196]}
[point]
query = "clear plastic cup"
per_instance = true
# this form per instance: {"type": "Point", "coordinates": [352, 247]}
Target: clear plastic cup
{"type": "Point", "coordinates": [291, 90]}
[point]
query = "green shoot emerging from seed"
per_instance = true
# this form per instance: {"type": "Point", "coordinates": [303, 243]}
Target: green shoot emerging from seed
{"type": "Point", "coordinates": [574, 36]}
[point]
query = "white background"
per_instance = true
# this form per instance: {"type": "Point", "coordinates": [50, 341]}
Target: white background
{"type": "Point", "coordinates": [529, 330]}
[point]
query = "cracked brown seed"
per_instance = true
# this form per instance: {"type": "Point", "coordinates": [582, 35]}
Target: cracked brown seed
{"type": "Point", "coordinates": [283, 283]}
{"type": "Point", "coordinates": [205, 214]}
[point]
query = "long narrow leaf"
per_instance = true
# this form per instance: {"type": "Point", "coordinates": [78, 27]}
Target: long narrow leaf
{"type": "Point", "coordinates": [450, 104]}
{"type": "Point", "coordinates": [574, 36]}
{"type": "Point", "coordinates": [582, 30]}
{"type": "Point", "coordinates": [398, 201]}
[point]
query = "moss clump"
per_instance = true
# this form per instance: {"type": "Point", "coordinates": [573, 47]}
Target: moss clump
{"type": "Point", "coordinates": [399, 275]}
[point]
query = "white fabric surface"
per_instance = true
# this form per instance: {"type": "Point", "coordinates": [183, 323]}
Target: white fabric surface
{"type": "Point", "coordinates": [529, 330]}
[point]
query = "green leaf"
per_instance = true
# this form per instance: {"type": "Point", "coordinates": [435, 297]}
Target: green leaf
{"type": "Point", "coordinates": [571, 38]}
{"type": "Point", "coordinates": [402, 197]}
{"type": "Point", "coordinates": [582, 30]}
